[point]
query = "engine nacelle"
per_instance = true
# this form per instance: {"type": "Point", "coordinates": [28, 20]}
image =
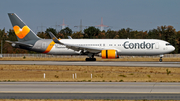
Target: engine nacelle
{"type": "Point", "coordinates": [109, 54]}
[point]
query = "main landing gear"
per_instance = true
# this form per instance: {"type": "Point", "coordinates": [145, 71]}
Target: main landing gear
{"type": "Point", "coordinates": [91, 57]}
{"type": "Point", "coordinates": [161, 56]}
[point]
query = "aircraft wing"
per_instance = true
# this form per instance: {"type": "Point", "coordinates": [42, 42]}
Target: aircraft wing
{"type": "Point", "coordinates": [84, 48]}
{"type": "Point", "coordinates": [78, 48]}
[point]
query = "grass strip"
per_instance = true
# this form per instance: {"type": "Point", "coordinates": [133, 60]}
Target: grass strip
{"type": "Point", "coordinates": [10, 73]}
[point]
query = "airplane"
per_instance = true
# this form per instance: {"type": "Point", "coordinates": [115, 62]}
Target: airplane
{"type": "Point", "coordinates": [105, 48]}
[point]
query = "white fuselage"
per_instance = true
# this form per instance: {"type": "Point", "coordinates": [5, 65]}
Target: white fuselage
{"type": "Point", "coordinates": [123, 46]}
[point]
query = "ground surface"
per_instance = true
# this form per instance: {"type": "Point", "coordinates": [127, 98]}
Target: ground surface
{"type": "Point", "coordinates": [175, 59]}
{"type": "Point", "coordinates": [70, 100]}
{"type": "Point", "coordinates": [83, 73]}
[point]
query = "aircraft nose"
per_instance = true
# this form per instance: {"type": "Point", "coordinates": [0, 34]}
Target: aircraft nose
{"type": "Point", "coordinates": [173, 48]}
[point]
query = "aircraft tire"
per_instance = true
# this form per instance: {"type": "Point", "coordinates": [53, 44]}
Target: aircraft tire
{"type": "Point", "coordinates": [93, 59]}
{"type": "Point", "coordinates": [87, 59]}
{"type": "Point", "coordinates": [160, 60]}
{"type": "Point", "coordinates": [90, 59]}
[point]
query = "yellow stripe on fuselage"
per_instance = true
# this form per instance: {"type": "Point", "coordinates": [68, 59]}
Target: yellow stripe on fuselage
{"type": "Point", "coordinates": [50, 46]}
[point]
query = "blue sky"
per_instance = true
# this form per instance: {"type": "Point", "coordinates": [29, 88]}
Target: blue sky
{"type": "Point", "coordinates": [135, 14]}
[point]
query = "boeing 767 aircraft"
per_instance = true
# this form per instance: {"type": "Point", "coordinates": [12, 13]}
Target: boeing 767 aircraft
{"type": "Point", "coordinates": [105, 48]}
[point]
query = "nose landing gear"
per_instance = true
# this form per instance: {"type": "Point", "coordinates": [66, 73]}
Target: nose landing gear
{"type": "Point", "coordinates": [161, 56]}
{"type": "Point", "coordinates": [160, 60]}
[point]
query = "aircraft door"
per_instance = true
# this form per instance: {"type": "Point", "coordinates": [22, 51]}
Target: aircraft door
{"type": "Point", "coordinates": [157, 45]}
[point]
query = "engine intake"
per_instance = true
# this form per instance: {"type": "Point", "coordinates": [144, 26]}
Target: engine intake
{"type": "Point", "coordinates": [109, 54]}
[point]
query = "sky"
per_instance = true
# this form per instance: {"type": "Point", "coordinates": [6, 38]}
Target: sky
{"type": "Point", "coordinates": [141, 15]}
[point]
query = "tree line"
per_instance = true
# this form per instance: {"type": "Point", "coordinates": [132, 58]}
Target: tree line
{"type": "Point", "coordinates": [167, 33]}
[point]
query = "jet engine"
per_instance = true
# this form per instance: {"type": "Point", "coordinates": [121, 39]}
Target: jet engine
{"type": "Point", "coordinates": [109, 54]}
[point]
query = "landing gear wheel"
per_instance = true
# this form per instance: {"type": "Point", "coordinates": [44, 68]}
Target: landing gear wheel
{"type": "Point", "coordinates": [90, 59]}
{"type": "Point", "coordinates": [161, 56]}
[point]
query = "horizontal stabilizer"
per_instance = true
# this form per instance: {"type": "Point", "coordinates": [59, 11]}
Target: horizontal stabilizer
{"type": "Point", "coordinates": [18, 43]}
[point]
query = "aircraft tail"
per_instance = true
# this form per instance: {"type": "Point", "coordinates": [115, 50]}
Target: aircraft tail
{"type": "Point", "coordinates": [22, 31]}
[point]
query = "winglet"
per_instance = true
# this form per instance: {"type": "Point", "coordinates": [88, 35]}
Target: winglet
{"type": "Point", "coordinates": [54, 38]}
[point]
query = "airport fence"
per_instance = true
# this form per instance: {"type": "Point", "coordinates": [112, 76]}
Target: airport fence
{"type": "Point", "coordinates": [76, 56]}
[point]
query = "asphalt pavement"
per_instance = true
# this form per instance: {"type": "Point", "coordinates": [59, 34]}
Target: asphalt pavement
{"type": "Point", "coordinates": [95, 63]}
{"type": "Point", "coordinates": [90, 90]}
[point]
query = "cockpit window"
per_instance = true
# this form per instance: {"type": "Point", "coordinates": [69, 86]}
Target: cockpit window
{"type": "Point", "coordinates": [168, 44]}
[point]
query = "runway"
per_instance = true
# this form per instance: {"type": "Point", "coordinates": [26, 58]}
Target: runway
{"type": "Point", "coordinates": [96, 63]}
{"type": "Point", "coordinates": [89, 90]}
{"type": "Point", "coordinates": [94, 96]}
